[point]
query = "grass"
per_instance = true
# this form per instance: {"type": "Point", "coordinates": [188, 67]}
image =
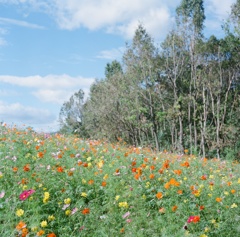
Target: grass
{"type": "Point", "coordinates": [64, 186]}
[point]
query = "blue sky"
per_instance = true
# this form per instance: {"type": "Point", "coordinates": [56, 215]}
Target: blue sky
{"type": "Point", "coordinates": [49, 49]}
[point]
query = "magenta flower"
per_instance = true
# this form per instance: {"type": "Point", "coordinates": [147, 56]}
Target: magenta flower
{"type": "Point", "coordinates": [25, 194]}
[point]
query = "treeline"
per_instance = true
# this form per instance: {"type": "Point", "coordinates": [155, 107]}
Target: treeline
{"type": "Point", "coordinates": [183, 94]}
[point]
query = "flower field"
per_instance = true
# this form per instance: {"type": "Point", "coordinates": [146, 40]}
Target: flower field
{"type": "Point", "coordinates": [55, 185]}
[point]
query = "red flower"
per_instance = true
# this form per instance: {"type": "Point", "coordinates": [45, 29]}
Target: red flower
{"type": "Point", "coordinates": [194, 219]}
{"type": "Point", "coordinates": [25, 194]}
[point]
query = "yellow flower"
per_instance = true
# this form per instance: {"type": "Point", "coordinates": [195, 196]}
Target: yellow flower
{"type": "Point", "coordinates": [211, 176]}
{"type": "Point", "coordinates": [84, 194]}
{"type": "Point", "coordinates": [185, 178]}
{"type": "Point", "coordinates": [210, 195]}
{"type": "Point", "coordinates": [123, 204]}
{"type": "Point", "coordinates": [105, 177]}
{"type": "Point", "coordinates": [213, 221]}
{"type": "Point", "coordinates": [89, 164]}
{"type": "Point", "coordinates": [67, 212]}
{"type": "Point", "coordinates": [25, 187]}
{"type": "Point", "coordinates": [226, 193]}
{"type": "Point", "coordinates": [234, 205]}
{"type": "Point", "coordinates": [34, 228]}
{"type": "Point", "coordinates": [46, 195]}
{"type": "Point", "coordinates": [117, 197]}
{"type": "Point", "coordinates": [45, 200]}
{"type": "Point", "coordinates": [44, 224]}
{"type": "Point", "coordinates": [19, 212]}
{"type": "Point", "coordinates": [203, 235]}
{"type": "Point", "coordinates": [211, 187]}
{"type": "Point", "coordinates": [84, 181]}
{"type": "Point", "coordinates": [238, 181]}
{"type": "Point", "coordinates": [67, 200]}
{"type": "Point", "coordinates": [51, 218]}
{"type": "Point", "coordinates": [206, 229]}
{"type": "Point", "coordinates": [147, 185]}
{"type": "Point", "coordinates": [89, 158]}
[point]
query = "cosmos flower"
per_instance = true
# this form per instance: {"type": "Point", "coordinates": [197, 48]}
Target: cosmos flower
{"type": "Point", "coordinates": [25, 194]}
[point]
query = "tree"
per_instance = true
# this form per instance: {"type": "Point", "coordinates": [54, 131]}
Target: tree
{"type": "Point", "coordinates": [70, 116]}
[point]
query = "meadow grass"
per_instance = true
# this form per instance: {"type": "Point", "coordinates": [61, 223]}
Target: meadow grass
{"type": "Point", "coordinates": [55, 185]}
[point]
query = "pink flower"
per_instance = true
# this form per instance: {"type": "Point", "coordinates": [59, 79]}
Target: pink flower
{"type": "Point", "coordinates": [25, 194]}
{"type": "Point", "coordinates": [74, 210]}
{"type": "Point", "coordinates": [127, 214]}
{"type": "Point", "coordinates": [2, 194]}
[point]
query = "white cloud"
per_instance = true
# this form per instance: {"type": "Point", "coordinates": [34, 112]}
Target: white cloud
{"type": "Point", "coordinates": [51, 88]}
{"type": "Point", "coordinates": [112, 53]}
{"type": "Point", "coordinates": [19, 113]}
{"type": "Point", "coordinates": [121, 17]}
{"type": "Point", "coordinates": [219, 8]}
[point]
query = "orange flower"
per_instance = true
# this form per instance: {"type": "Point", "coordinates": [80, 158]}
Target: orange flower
{"type": "Point", "coordinates": [167, 185]}
{"type": "Point", "coordinates": [60, 169]}
{"type": "Point", "coordinates": [37, 147]}
{"type": "Point", "coordinates": [24, 232]}
{"type": "Point", "coordinates": [85, 164]}
{"type": "Point", "coordinates": [218, 199]}
{"type": "Point", "coordinates": [139, 171]}
{"type": "Point", "coordinates": [201, 207]}
{"type": "Point", "coordinates": [104, 183]}
{"type": "Point", "coordinates": [196, 219]}
{"type": "Point", "coordinates": [70, 173]}
{"type": "Point", "coordinates": [40, 154]}
{"type": "Point", "coordinates": [151, 176]}
{"type": "Point", "coordinates": [165, 164]}
{"type": "Point", "coordinates": [51, 235]}
{"type": "Point", "coordinates": [40, 232]}
{"type": "Point", "coordinates": [80, 163]}
{"type": "Point", "coordinates": [15, 169]}
{"type": "Point", "coordinates": [174, 208]}
{"type": "Point", "coordinates": [26, 167]}
{"type": "Point", "coordinates": [90, 182]}
{"type": "Point", "coordinates": [21, 225]}
{"type": "Point", "coordinates": [134, 163]}
{"type": "Point", "coordinates": [233, 191]}
{"type": "Point", "coordinates": [185, 164]}
{"type": "Point", "coordinates": [160, 171]}
{"type": "Point", "coordinates": [159, 195]}
{"type": "Point", "coordinates": [24, 181]}
{"type": "Point", "coordinates": [85, 211]}
{"type": "Point", "coordinates": [174, 182]}
{"type": "Point", "coordinates": [137, 176]}
{"type": "Point", "coordinates": [180, 192]}
{"type": "Point", "coordinates": [203, 177]}
{"type": "Point", "coordinates": [178, 172]}
{"type": "Point", "coordinates": [134, 169]}
{"type": "Point", "coordinates": [152, 167]}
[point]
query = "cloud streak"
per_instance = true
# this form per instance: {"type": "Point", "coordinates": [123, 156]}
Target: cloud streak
{"type": "Point", "coordinates": [20, 23]}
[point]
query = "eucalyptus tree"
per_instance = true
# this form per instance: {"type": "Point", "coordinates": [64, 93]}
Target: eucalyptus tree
{"type": "Point", "coordinates": [141, 70]}
{"type": "Point", "coordinates": [71, 114]}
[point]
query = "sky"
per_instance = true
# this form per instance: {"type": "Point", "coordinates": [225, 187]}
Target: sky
{"type": "Point", "coordinates": [49, 49]}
